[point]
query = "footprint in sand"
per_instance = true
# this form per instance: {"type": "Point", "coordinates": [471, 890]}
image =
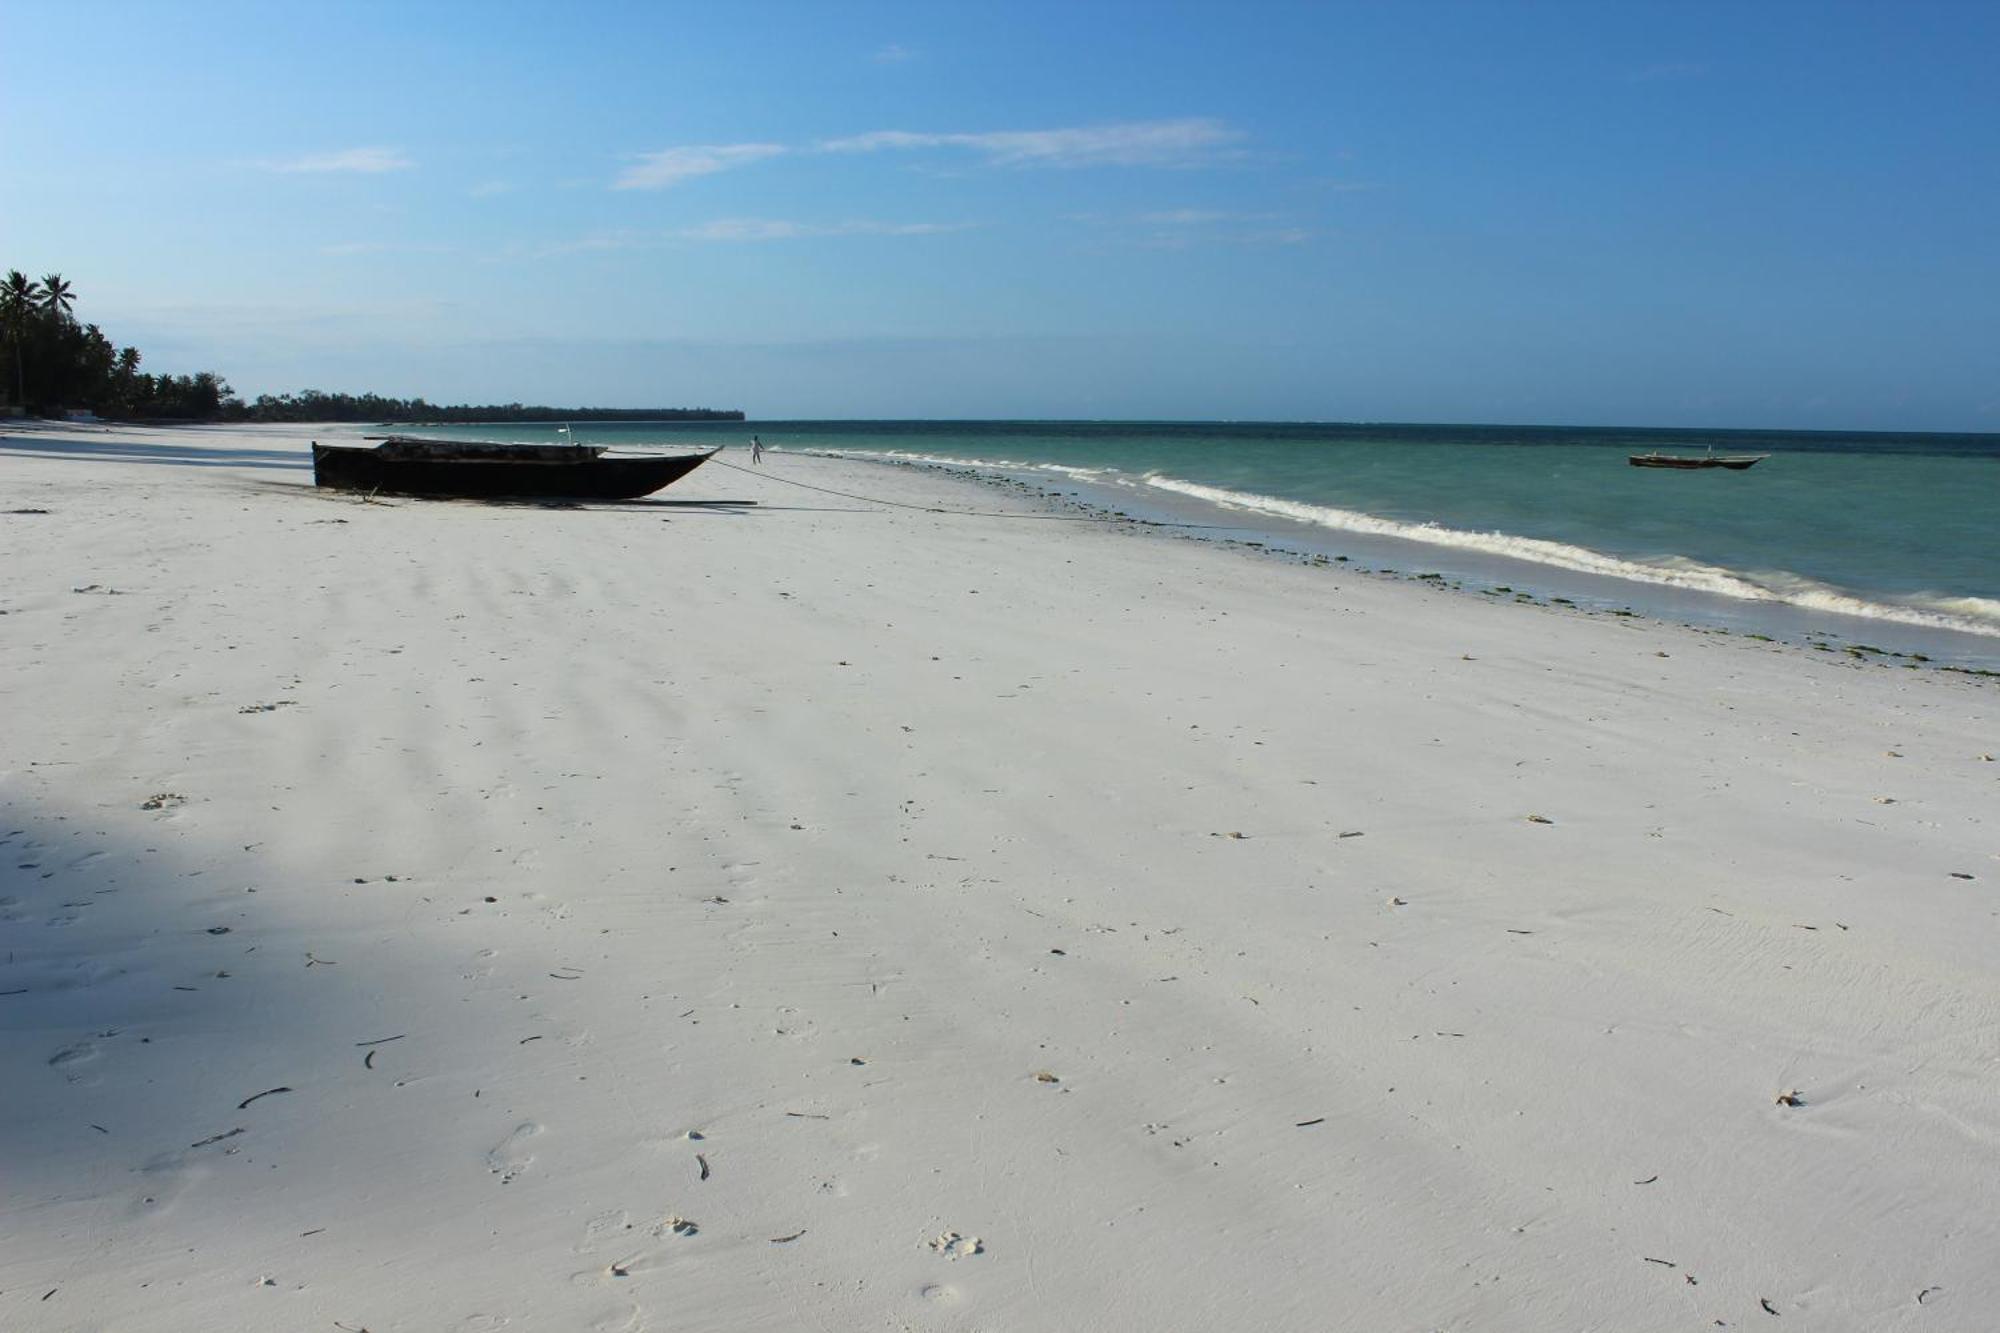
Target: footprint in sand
{"type": "Point", "coordinates": [71, 1059]}
{"type": "Point", "coordinates": [510, 1157]}
{"type": "Point", "coordinates": [631, 1319]}
{"type": "Point", "coordinates": [165, 1179]}
{"type": "Point", "coordinates": [939, 1294]}
{"type": "Point", "coordinates": [789, 1023]}
{"type": "Point", "coordinates": [481, 1323]}
{"type": "Point", "coordinates": [954, 1246]}
{"type": "Point", "coordinates": [74, 1054]}
{"type": "Point", "coordinates": [603, 1227]}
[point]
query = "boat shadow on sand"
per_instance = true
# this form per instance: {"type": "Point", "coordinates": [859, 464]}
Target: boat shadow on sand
{"type": "Point", "coordinates": [307, 491]}
{"type": "Point", "coordinates": [132, 451]}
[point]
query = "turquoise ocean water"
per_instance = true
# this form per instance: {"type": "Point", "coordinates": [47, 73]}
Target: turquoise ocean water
{"type": "Point", "coordinates": [1901, 531]}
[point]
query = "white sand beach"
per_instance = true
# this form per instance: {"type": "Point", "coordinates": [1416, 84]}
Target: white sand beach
{"type": "Point", "coordinates": [440, 916]}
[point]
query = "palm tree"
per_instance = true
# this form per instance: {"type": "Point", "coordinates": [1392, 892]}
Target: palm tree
{"type": "Point", "coordinates": [18, 299]}
{"type": "Point", "coordinates": [57, 296]}
{"type": "Point", "coordinates": [17, 293]}
{"type": "Point", "coordinates": [125, 377]}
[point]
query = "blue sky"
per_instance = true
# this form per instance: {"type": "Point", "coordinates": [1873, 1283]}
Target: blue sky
{"type": "Point", "coordinates": [1680, 214]}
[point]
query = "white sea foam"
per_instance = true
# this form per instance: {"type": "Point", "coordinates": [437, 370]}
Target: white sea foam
{"type": "Point", "coordinates": [1093, 474]}
{"type": "Point", "coordinates": [1968, 615]}
{"type": "Point", "coordinates": [1961, 614]}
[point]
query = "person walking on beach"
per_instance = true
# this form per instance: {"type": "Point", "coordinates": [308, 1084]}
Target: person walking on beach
{"type": "Point", "coordinates": [756, 450]}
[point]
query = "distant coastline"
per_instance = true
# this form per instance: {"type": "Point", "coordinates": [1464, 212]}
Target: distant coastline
{"type": "Point", "coordinates": [445, 416]}
{"type": "Point", "coordinates": [316, 405]}
{"type": "Point", "coordinates": [1483, 432]}
{"type": "Point", "coordinates": [54, 366]}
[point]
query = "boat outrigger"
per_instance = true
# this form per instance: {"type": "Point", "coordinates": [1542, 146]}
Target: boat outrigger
{"type": "Point", "coordinates": [485, 470]}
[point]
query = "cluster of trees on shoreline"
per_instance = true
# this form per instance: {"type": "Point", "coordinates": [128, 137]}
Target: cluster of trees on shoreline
{"type": "Point", "coordinates": [50, 364]}
{"type": "Point", "coordinates": [51, 361]}
{"type": "Point", "coordinates": [316, 405]}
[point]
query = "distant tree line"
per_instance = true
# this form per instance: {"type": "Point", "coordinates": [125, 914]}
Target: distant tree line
{"type": "Point", "coordinates": [317, 405]}
{"type": "Point", "coordinates": [49, 364]}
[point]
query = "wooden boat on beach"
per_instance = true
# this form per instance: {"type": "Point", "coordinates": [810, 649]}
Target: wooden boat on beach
{"type": "Point", "coordinates": [1734, 462]}
{"type": "Point", "coordinates": [485, 470]}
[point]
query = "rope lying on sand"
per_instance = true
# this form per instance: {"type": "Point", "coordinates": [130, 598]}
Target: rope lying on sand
{"type": "Point", "coordinates": [961, 513]}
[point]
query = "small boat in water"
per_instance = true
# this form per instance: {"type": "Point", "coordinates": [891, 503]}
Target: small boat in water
{"type": "Point", "coordinates": [485, 470]}
{"type": "Point", "coordinates": [1734, 462]}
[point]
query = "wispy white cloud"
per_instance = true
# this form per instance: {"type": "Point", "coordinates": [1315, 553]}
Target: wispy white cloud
{"type": "Point", "coordinates": [348, 248]}
{"type": "Point", "coordinates": [1195, 141]}
{"type": "Point", "coordinates": [738, 231]}
{"type": "Point", "coordinates": [365, 161]}
{"type": "Point", "coordinates": [1185, 228]}
{"type": "Point", "coordinates": [1277, 236]}
{"type": "Point", "coordinates": [488, 189]}
{"type": "Point", "coordinates": [893, 54]}
{"type": "Point", "coordinates": [773, 229]}
{"type": "Point", "coordinates": [620, 239]}
{"type": "Point", "coordinates": [671, 166]}
{"type": "Point", "coordinates": [1181, 238]}
{"type": "Point", "coordinates": [1147, 143]}
{"type": "Point", "coordinates": [1199, 217]}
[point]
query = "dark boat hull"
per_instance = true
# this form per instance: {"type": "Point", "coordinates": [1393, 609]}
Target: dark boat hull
{"type": "Point", "coordinates": [1736, 464]}
{"type": "Point", "coordinates": [490, 478]}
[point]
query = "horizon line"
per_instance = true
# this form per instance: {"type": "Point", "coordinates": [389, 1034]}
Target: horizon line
{"type": "Point", "coordinates": [746, 419]}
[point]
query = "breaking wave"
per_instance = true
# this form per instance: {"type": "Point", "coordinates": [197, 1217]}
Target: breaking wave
{"type": "Point", "coordinates": [1967, 615]}
{"type": "Point", "coordinates": [1960, 614]}
{"type": "Point", "coordinates": [1092, 474]}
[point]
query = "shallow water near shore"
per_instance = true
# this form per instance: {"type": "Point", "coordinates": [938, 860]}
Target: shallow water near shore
{"type": "Point", "coordinates": [1870, 537]}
